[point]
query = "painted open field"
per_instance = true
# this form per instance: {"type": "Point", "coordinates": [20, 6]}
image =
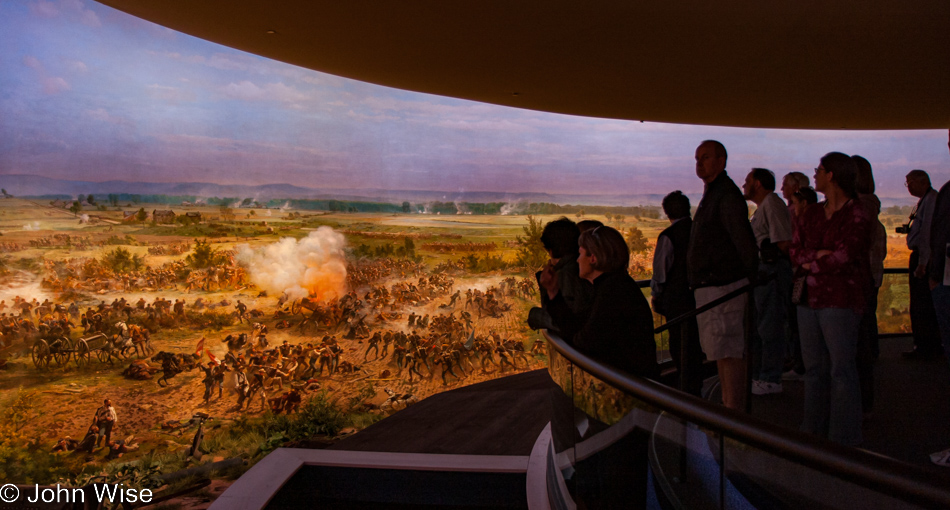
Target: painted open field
{"type": "Point", "coordinates": [50, 253]}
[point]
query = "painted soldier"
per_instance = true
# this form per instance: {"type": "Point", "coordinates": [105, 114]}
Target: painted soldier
{"type": "Point", "coordinates": [104, 420]}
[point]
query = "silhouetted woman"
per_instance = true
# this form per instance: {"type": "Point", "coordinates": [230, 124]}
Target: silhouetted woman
{"type": "Point", "coordinates": [619, 327]}
{"type": "Point", "coordinates": [868, 349]}
{"type": "Point", "coordinates": [831, 243]}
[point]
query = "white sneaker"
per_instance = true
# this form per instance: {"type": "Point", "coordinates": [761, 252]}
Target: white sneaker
{"type": "Point", "coordinates": [765, 388]}
{"type": "Point", "coordinates": [792, 375]}
{"type": "Point", "coordinates": [941, 458]}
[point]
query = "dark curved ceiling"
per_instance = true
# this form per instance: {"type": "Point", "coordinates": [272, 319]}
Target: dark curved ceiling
{"type": "Point", "coordinates": [874, 64]}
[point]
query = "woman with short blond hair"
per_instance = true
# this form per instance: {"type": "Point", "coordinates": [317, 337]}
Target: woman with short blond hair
{"type": "Point", "coordinates": [619, 328]}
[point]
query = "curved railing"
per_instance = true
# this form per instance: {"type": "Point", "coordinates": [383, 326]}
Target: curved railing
{"type": "Point", "coordinates": [759, 464]}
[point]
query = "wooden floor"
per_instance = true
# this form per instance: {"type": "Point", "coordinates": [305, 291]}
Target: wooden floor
{"type": "Point", "coordinates": [499, 417]}
{"type": "Point", "coordinates": [911, 417]}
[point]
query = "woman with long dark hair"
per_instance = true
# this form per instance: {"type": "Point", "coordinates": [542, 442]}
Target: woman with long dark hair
{"type": "Point", "coordinates": [831, 244]}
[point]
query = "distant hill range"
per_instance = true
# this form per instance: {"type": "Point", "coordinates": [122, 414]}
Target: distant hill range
{"type": "Point", "coordinates": [37, 186]}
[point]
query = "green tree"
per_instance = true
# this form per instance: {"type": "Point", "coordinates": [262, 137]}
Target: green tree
{"type": "Point", "coordinates": [76, 208]}
{"type": "Point", "coordinates": [407, 250]}
{"type": "Point", "coordinates": [637, 241]}
{"type": "Point", "coordinates": [121, 260]}
{"type": "Point", "coordinates": [531, 252]}
{"type": "Point", "coordinates": [91, 200]}
{"type": "Point", "coordinates": [203, 255]}
{"type": "Point", "coordinates": [141, 215]}
{"type": "Point", "coordinates": [406, 207]}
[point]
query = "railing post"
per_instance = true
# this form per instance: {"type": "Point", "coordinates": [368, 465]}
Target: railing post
{"type": "Point", "coordinates": [683, 368]}
{"type": "Point", "coordinates": [748, 329]}
{"type": "Point", "coordinates": [684, 378]}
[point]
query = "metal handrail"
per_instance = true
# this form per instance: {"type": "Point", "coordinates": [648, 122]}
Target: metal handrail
{"type": "Point", "coordinates": [882, 474]}
{"type": "Point", "coordinates": [676, 320]}
{"type": "Point", "coordinates": [696, 311]}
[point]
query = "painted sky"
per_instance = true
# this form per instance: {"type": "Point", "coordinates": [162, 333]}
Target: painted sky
{"type": "Point", "coordinates": [90, 93]}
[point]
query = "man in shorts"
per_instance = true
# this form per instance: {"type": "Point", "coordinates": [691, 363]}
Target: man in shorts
{"type": "Point", "coordinates": [721, 258]}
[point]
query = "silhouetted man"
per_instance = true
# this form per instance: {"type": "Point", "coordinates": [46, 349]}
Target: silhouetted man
{"type": "Point", "coordinates": [671, 295]}
{"type": "Point", "coordinates": [923, 319]}
{"type": "Point", "coordinates": [939, 276]}
{"type": "Point", "coordinates": [722, 257]}
{"type": "Point", "coordinates": [772, 227]}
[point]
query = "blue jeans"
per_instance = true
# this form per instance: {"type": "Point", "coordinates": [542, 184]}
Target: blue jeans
{"type": "Point", "coordinates": [771, 307]}
{"type": "Point", "coordinates": [829, 339]}
{"type": "Point", "coordinates": [941, 295]}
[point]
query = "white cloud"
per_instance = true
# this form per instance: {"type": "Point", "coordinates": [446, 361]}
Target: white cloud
{"type": "Point", "coordinates": [256, 66]}
{"type": "Point", "coordinates": [248, 91]}
{"type": "Point", "coordinates": [170, 94]}
{"type": "Point", "coordinates": [48, 9]}
{"type": "Point", "coordinates": [77, 66]}
{"type": "Point", "coordinates": [101, 114]}
{"type": "Point", "coordinates": [74, 5]}
{"type": "Point", "coordinates": [90, 18]}
{"type": "Point", "coordinates": [55, 85]}
{"type": "Point", "coordinates": [32, 62]}
{"type": "Point", "coordinates": [483, 125]}
{"type": "Point", "coordinates": [362, 117]}
{"type": "Point", "coordinates": [44, 8]}
{"type": "Point", "coordinates": [245, 90]}
{"type": "Point", "coordinates": [284, 93]}
{"type": "Point", "coordinates": [174, 55]}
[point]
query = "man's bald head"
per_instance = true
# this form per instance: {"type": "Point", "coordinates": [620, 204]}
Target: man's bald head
{"type": "Point", "coordinates": [718, 147]}
{"type": "Point", "coordinates": [710, 160]}
{"type": "Point", "coordinates": [919, 175]}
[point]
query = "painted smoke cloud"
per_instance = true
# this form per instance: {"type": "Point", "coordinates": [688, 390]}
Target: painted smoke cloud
{"type": "Point", "coordinates": [314, 266]}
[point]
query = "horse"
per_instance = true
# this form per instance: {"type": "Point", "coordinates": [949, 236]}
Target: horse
{"type": "Point", "coordinates": [235, 342]}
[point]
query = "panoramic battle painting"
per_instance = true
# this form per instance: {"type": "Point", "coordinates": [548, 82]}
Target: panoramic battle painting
{"type": "Point", "coordinates": [206, 255]}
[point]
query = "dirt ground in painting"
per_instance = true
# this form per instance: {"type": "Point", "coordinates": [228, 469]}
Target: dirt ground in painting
{"type": "Point", "coordinates": [64, 398]}
{"type": "Point", "coordinates": [69, 396]}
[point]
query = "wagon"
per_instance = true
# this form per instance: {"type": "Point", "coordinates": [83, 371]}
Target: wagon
{"type": "Point", "coordinates": [44, 352]}
{"type": "Point", "coordinates": [98, 345]}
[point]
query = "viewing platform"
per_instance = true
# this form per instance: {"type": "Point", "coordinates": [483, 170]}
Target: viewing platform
{"type": "Point", "coordinates": [472, 447]}
{"type": "Point", "coordinates": [583, 434]}
{"type": "Point", "coordinates": [911, 417]}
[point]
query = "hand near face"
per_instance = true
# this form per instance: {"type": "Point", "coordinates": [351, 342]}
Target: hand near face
{"type": "Point", "coordinates": [548, 279]}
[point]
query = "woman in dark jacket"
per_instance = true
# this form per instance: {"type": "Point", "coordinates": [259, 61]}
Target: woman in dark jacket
{"type": "Point", "coordinates": [619, 326]}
